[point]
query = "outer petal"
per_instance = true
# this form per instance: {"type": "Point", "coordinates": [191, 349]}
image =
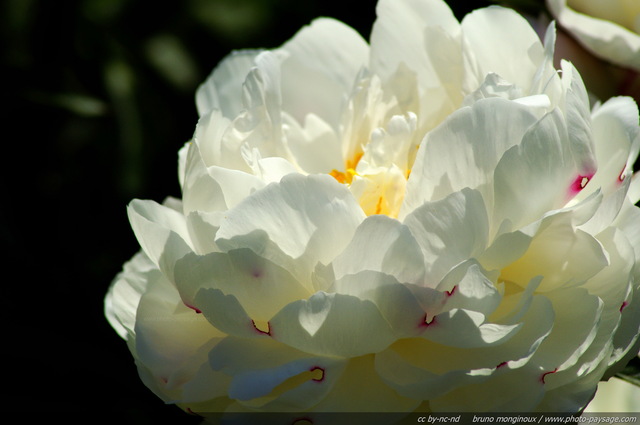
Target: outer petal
{"type": "Point", "coordinates": [172, 343]}
{"type": "Point", "coordinates": [469, 287]}
{"type": "Point", "coordinates": [319, 211]}
{"type": "Point", "coordinates": [333, 325]}
{"type": "Point", "coordinates": [617, 139]}
{"type": "Point", "coordinates": [222, 90]}
{"type": "Point", "coordinates": [535, 176]}
{"type": "Point", "coordinates": [161, 231]}
{"type": "Point", "coordinates": [366, 392]}
{"type": "Point", "coordinates": [510, 391]}
{"type": "Point", "coordinates": [562, 255]}
{"type": "Point", "coordinates": [467, 329]}
{"type": "Point", "coordinates": [465, 149]}
{"type": "Point", "coordinates": [124, 294]}
{"type": "Point", "coordinates": [382, 244]}
{"type": "Point", "coordinates": [267, 375]}
{"type": "Point", "coordinates": [612, 286]}
{"type": "Point", "coordinates": [387, 294]}
{"type": "Point", "coordinates": [214, 188]}
{"type": "Point", "coordinates": [218, 141]}
{"type": "Point", "coordinates": [261, 286]}
{"type": "Point", "coordinates": [572, 333]}
{"type": "Point", "coordinates": [424, 369]}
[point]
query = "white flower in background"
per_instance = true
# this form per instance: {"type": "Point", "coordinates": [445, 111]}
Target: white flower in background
{"type": "Point", "coordinates": [610, 29]}
{"type": "Point", "coordinates": [615, 395]}
{"type": "Point", "coordinates": [435, 221]}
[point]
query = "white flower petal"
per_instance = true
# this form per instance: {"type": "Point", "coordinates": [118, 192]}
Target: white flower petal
{"type": "Point", "coordinates": [425, 369]}
{"type": "Point", "coordinates": [259, 126]}
{"type": "Point", "coordinates": [332, 325]}
{"type": "Point", "coordinates": [398, 36]}
{"type": "Point", "coordinates": [495, 36]}
{"type": "Point", "coordinates": [288, 379]}
{"type": "Point", "coordinates": [535, 176]}
{"type": "Point", "coordinates": [125, 291]}
{"type": "Point", "coordinates": [172, 341]}
{"type": "Point", "coordinates": [572, 397]}
{"type": "Point", "coordinates": [627, 220]}
{"type": "Point", "coordinates": [314, 145]}
{"type": "Point", "coordinates": [495, 395]}
{"type": "Point", "coordinates": [330, 54]}
{"type": "Point", "coordinates": [261, 287]}
{"type": "Point", "coordinates": [161, 232]}
{"type": "Point", "coordinates": [468, 287]}
{"type": "Point", "coordinates": [562, 255]}
{"type": "Point", "coordinates": [225, 313]}
{"type": "Point", "coordinates": [467, 329]}
{"type": "Point", "coordinates": [616, 135]}
{"type": "Point", "coordinates": [319, 211]}
{"type": "Point", "coordinates": [575, 106]}
{"type": "Point", "coordinates": [218, 142]}
{"type": "Point", "coordinates": [397, 369]}
{"type": "Point", "coordinates": [612, 286]}
{"type": "Point", "coordinates": [604, 39]}
{"type": "Point", "coordinates": [441, 227]}
{"type": "Point", "coordinates": [573, 330]}
{"type": "Point", "coordinates": [222, 90]}
{"type": "Point", "coordinates": [387, 294]}
{"type": "Point", "coordinates": [385, 245]}
{"type": "Point", "coordinates": [366, 392]}
{"type": "Point", "coordinates": [464, 150]}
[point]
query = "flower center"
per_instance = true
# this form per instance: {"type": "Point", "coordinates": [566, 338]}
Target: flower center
{"type": "Point", "coordinates": [378, 189]}
{"type": "Point", "coordinates": [350, 167]}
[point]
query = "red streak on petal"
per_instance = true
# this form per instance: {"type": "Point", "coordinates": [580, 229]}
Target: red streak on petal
{"type": "Point", "coordinates": [544, 375]}
{"type": "Point", "coordinates": [302, 420]}
{"type": "Point", "coordinates": [580, 183]}
{"type": "Point", "coordinates": [621, 176]}
{"type": "Point", "coordinates": [191, 412]}
{"type": "Point", "coordinates": [623, 306]}
{"type": "Point", "coordinates": [503, 364]}
{"type": "Point", "coordinates": [452, 291]}
{"type": "Point", "coordinates": [320, 369]}
{"type": "Point", "coordinates": [424, 323]}
{"type": "Point", "coordinates": [197, 310]}
{"type": "Point", "coordinates": [260, 330]}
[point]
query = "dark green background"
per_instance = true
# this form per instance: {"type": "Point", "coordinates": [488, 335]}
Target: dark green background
{"type": "Point", "coordinates": [98, 97]}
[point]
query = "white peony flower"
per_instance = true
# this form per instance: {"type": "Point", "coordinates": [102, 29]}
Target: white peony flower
{"type": "Point", "coordinates": [435, 221]}
{"type": "Point", "coordinates": [610, 29]}
{"type": "Point", "coordinates": [615, 395]}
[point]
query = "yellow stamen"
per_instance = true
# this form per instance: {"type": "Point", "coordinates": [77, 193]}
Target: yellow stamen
{"type": "Point", "coordinates": [350, 166]}
{"type": "Point", "coordinates": [379, 205]}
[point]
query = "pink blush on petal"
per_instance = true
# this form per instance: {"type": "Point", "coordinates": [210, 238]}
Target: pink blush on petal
{"type": "Point", "coordinates": [579, 183]}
